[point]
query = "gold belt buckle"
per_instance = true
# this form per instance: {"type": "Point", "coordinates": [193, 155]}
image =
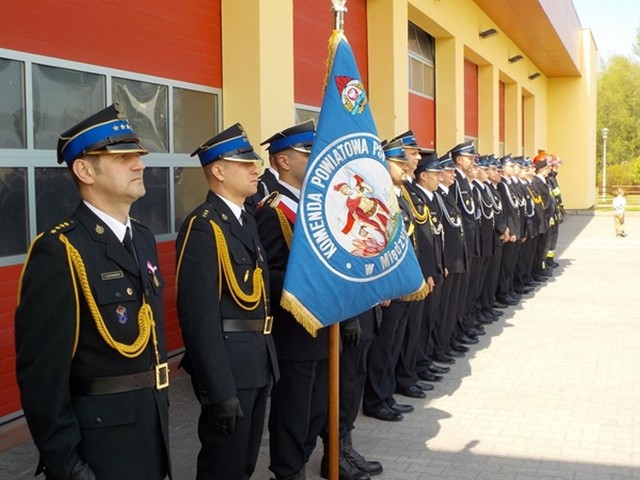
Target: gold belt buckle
{"type": "Point", "coordinates": [162, 376]}
{"type": "Point", "coordinates": [268, 323]}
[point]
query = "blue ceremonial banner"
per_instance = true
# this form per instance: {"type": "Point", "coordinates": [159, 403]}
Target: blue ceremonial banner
{"type": "Point", "coordinates": [349, 249]}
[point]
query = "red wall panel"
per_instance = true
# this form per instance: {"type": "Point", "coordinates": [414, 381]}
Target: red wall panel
{"type": "Point", "coordinates": [9, 277]}
{"type": "Point", "coordinates": [422, 120]}
{"type": "Point", "coordinates": [176, 40]}
{"type": "Point", "coordinates": [313, 24]}
{"type": "Point", "coordinates": [470, 99]}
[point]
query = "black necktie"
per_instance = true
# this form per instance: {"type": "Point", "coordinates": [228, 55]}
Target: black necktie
{"type": "Point", "coordinates": [245, 219]}
{"type": "Point", "coordinates": [128, 244]}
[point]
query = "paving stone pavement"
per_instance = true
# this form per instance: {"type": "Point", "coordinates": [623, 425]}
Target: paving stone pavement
{"type": "Point", "coordinates": [552, 391]}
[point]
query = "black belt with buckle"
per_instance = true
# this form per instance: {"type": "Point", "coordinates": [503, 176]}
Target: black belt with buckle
{"type": "Point", "coordinates": [157, 378]}
{"type": "Point", "coordinates": [233, 325]}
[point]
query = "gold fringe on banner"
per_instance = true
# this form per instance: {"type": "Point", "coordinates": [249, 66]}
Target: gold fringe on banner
{"type": "Point", "coordinates": [334, 40]}
{"type": "Point", "coordinates": [302, 315]}
{"type": "Point", "coordinates": [419, 294]}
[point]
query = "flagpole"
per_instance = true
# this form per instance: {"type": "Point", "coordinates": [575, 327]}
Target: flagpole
{"type": "Point", "coordinates": [338, 8]}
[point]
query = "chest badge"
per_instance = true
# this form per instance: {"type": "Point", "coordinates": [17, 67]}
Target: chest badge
{"type": "Point", "coordinates": [151, 268]}
{"type": "Point", "coordinates": [122, 314]}
{"type": "Point", "coordinates": [99, 229]}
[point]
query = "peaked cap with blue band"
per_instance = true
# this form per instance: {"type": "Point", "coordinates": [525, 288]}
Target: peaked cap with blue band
{"type": "Point", "coordinates": [446, 162]}
{"type": "Point", "coordinates": [465, 148]}
{"type": "Point", "coordinates": [230, 144]}
{"type": "Point", "coordinates": [408, 140]}
{"type": "Point", "coordinates": [507, 160]}
{"type": "Point", "coordinates": [428, 163]}
{"type": "Point", "coordinates": [107, 131]}
{"type": "Point", "coordinates": [394, 151]}
{"type": "Point", "coordinates": [299, 137]}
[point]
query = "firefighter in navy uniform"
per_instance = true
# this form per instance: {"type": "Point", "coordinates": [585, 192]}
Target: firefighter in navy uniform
{"type": "Point", "coordinates": [223, 307]}
{"type": "Point", "coordinates": [90, 343]}
{"type": "Point", "coordinates": [380, 385]}
{"type": "Point", "coordinates": [299, 400]}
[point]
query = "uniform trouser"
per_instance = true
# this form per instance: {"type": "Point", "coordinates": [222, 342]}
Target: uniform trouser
{"type": "Point", "coordinates": [475, 288]}
{"type": "Point", "coordinates": [489, 287]}
{"type": "Point", "coordinates": [540, 255]}
{"type": "Point", "coordinates": [406, 375]}
{"type": "Point", "coordinates": [380, 383]}
{"type": "Point", "coordinates": [525, 260]}
{"type": "Point", "coordinates": [510, 252]}
{"type": "Point", "coordinates": [353, 372]}
{"type": "Point", "coordinates": [463, 298]}
{"type": "Point", "coordinates": [299, 403]}
{"type": "Point", "coordinates": [553, 239]}
{"type": "Point", "coordinates": [528, 268]}
{"type": "Point", "coordinates": [429, 318]}
{"type": "Point", "coordinates": [223, 457]}
{"type": "Point", "coordinates": [447, 313]}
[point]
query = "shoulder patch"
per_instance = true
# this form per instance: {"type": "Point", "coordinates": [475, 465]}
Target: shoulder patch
{"type": "Point", "coordinates": [62, 227]}
{"type": "Point", "coordinates": [270, 200]}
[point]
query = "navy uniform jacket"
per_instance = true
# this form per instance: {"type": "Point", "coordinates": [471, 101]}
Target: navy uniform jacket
{"type": "Point", "coordinates": [500, 223]}
{"type": "Point", "coordinates": [484, 205]}
{"type": "Point", "coordinates": [120, 435]}
{"type": "Point", "coordinates": [430, 255]}
{"type": "Point", "coordinates": [221, 362]}
{"type": "Point", "coordinates": [510, 207]}
{"type": "Point", "coordinates": [468, 212]}
{"type": "Point", "coordinates": [292, 340]}
{"type": "Point", "coordinates": [455, 248]}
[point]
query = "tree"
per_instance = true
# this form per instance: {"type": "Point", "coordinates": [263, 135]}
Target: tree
{"type": "Point", "coordinates": [619, 109]}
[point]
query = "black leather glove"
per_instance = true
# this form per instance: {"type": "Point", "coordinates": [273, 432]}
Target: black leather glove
{"type": "Point", "coordinates": [82, 471]}
{"type": "Point", "coordinates": [350, 332]}
{"type": "Point", "coordinates": [221, 416]}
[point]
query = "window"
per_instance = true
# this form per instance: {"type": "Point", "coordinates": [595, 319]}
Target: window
{"type": "Point", "coordinates": [195, 119]}
{"type": "Point", "coordinates": [145, 105]}
{"type": "Point", "coordinates": [306, 112]}
{"type": "Point", "coordinates": [421, 62]}
{"type": "Point", "coordinates": [12, 110]}
{"type": "Point", "coordinates": [61, 99]}
{"type": "Point", "coordinates": [172, 118]}
{"type": "Point", "coordinates": [13, 211]}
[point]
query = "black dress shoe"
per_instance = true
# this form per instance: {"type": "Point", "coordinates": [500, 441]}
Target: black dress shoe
{"type": "Point", "coordinates": [532, 283]}
{"type": "Point", "coordinates": [412, 392]}
{"type": "Point", "coordinates": [424, 386]}
{"type": "Point", "coordinates": [437, 369]}
{"type": "Point", "coordinates": [507, 301]}
{"type": "Point", "coordinates": [523, 290]}
{"type": "Point", "coordinates": [496, 313]}
{"type": "Point", "coordinates": [446, 359]}
{"type": "Point", "coordinates": [540, 278]}
{"type": "Point", "coordinates": [401, 408]}
{"type": "Point", "coordinates": [475, 332]}
{"type": "Point", "coordinates": [499, 304]}
{"type": "Point", "coordinates": [485, 321]}
{"type": "Point", "coordinates": [468, 341]}
{"type": "Point", "coordinates": [385, 414]}
{"type": "Point", "coordinates": [471, 335]}
{"type": "Point", "coordinates": [431, 377]}
{"type": "Point", "coordinates": [514, 295]}
{"type": "Point", "coordinates": [455, 353]}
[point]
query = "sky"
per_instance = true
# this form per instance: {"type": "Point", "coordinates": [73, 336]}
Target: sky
{"type": "Point", "coordinates": [613, 24]}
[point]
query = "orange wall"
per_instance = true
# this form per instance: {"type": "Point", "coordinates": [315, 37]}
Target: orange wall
{"type": "Point", "coordinates": [176, 40]}
{"type": "Point", "coordinates": [422, 120]}
{"type": "Point", "coordinates": [312, 28]}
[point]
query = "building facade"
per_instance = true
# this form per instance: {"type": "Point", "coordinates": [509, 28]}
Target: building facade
{"type": "Point", "coordinates": [513, 75]}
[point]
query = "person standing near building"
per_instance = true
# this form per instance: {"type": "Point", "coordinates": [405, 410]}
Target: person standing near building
{"type": "Point", "coordinates": [619, 205]}
{"type": "Point", "coordinates": [90, 342]}
{"type": "Point", "coordinates": [299, 401]}
{"type": "Point", "coordinates": [223, 308]}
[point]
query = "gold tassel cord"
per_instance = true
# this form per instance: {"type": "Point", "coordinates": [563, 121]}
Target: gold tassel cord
{"type": "Point", "coordinates": [245, 301]}
{"type": "Point", "coordinates": [421, 218]}
{"type": "Point", "coordinates": [145, 314]}
{"type": "Point", "coordinates": [284, 226]}
{"type": "Point", "coordinates": [334, 40]}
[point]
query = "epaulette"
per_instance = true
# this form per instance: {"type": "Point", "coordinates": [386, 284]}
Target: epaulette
{"type": "Point", "coordinates": [62, 227]}
{"type": "Point", "coordinates": [270, 200]}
